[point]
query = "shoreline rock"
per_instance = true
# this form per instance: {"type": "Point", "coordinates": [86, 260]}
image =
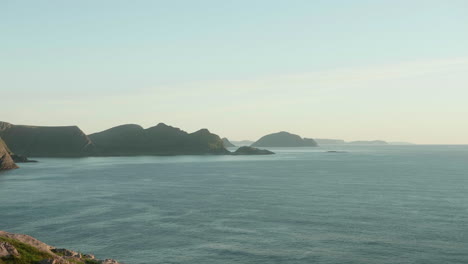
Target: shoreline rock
{"type": "Point", "coordinates": [12, 246]}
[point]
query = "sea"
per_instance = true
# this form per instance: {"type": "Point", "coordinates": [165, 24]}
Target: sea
{"type": "Point", "coordinates": [361, 204]}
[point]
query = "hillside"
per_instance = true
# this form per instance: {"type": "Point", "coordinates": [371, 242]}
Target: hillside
{"type": "Point", "coordinates": [130, 140]}
{"type": "Point", "coordinates": [41, 141]}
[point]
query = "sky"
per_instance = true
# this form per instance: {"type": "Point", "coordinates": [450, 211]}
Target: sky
{"type": "Point", "coordinates": [356, 70]}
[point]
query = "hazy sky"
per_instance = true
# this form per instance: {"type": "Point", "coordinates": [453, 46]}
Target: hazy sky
{"type": "Point", "coordinates": [395, 70]}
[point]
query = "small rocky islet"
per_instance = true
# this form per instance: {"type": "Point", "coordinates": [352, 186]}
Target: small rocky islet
{"type": "Point", "coordinates": [24, 249]}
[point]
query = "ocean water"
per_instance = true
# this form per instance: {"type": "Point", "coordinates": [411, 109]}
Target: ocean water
{"type": "Point", "coordinates": [372, 204]}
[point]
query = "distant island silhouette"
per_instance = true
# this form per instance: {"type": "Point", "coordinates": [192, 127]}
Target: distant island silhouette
{"type": "Point", "coordinates": [284, 139]}
{"type": "Point", "coordinates": [324, 141]}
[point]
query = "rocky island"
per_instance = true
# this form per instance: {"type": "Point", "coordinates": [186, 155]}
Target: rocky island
{"type": "Point", "coordinates": [245, 150]}
{"type": "Point", "coordinates": [284, 139]}
{"type": "Point", "coordinates": [24, 249]}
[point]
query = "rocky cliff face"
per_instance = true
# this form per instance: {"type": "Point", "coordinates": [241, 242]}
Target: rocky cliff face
{"type": "Point", "coordinates": [6, 162]}
{"type": "Point", "coordinates": [40, 141]}
{"type": "Point", "coordinates": [284, 139]}
{"type": "Point", "coordinates": [129, 140]}
{"type": "Point", "coordinates": [18, 248]}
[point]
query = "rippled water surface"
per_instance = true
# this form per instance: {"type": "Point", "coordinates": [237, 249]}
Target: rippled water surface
{"type": "Point", "coordinates": [389, 204]}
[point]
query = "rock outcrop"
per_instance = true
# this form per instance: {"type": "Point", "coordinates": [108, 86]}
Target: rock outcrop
{"type": "Point", "coordinates": [18, 248]}
{"type": "Point", "coordinates": [6, 161]}
{"type": "Point", "coordinates": [227, 143]}
{"type": "Point", "coordinates": [41, 141]}
{"type": "Point", "coordinates": [131, 140]}
{"type": "Point", "coordinates": [7, 250]}
{"type": "Point", "coordinates": [284, 139]}
{"type": "Point", "coordinates": [245, 150]}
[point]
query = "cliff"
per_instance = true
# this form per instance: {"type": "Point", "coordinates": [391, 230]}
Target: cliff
{"type": "Point", "coordinates": [6, 161]}
{"type": "Point", "coordinates": [23, 249]}
{"type": "Point", "coordinates": [284, 139]}
{"type": "Point", "coordinates": [41, 141]}
{"type": "Point", "coordinates": [131, 140]}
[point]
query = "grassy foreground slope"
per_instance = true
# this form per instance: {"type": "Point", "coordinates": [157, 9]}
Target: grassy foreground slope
{"type": "Point", "coordinates": [23, 249]}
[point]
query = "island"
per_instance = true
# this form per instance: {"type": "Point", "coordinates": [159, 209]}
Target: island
{"type": "Point", "coordinates": [245, 150]}
{"type": "Point", "coordinates": [284, 139]}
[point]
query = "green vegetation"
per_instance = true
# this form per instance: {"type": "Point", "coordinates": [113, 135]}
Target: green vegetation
{"type": "Point", "coordinates": [28, 254]}
{"type": "Point", "coordinates": [33, 252]}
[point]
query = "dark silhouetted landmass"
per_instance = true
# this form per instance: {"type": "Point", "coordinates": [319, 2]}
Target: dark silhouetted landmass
{"type": "Point", "coordinates": [242, 143]}
{"type": "Point", "coordinates": [325, 141]}
{"type": "Point", "coordinates": [246, 150]}
{"type": "Point", "coordinates": [41, 141]}
{"type": "Point", "coordinates": [6, 161]}
{"type": "Point", "coordinates": [368, 142]}
{"type": "Point", "coordinates": [284, 139]}
{"type": "Point", "coordinates": [124, 140]}
{"type": "Point", "coordinates": [131, 140]}
{"type": "Point", "coordinates": [227, 143]}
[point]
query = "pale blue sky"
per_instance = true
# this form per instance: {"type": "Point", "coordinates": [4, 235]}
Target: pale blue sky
{"type": "Point", "coordinates": [392, 70]}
